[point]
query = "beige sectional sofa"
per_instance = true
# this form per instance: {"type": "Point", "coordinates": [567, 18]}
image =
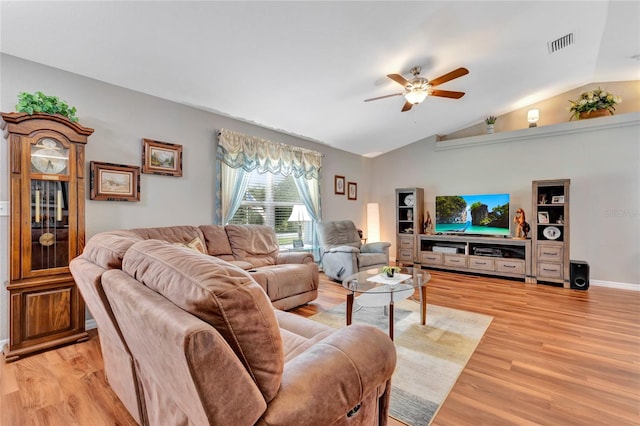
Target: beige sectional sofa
{"type": "Point", "coordinates": [191, 339]}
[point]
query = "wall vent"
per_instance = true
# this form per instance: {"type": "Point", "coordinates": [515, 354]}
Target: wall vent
{"type": "Point", "coordinates": [560, 43]}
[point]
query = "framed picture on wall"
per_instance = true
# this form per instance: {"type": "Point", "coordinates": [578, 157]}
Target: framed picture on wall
{"type": "Point", "coordinates": [114, 182]}
{"type": "Point", "coordinates": [161, 158]}
{"type": "Point", "coordinates": [352, 189]}
{"type": "Point", "coordinates": [338, 184]}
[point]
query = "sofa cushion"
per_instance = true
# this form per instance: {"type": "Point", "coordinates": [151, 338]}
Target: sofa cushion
{"type": "Point", "coordinates": [215, 237]}
{"type": "Point", "coordinates": [107, 249]}
{"type": "Point", "coordinates": [220, 294]}
{"type": "Point", "coordinates": [195, 244]}
{"type": "Point", "coordinates": [173, 234]}
{"type": "Point", "coordinates": [256, 244]}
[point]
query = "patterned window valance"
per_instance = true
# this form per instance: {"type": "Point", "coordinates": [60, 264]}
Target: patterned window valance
{"type": "Point", "coordinates": [250, 153]}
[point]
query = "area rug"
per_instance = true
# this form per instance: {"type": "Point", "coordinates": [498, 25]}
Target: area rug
{"type": "Point", "coordinates": [430, 357]}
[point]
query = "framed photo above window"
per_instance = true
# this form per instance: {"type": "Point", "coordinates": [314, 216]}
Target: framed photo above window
{"type": "Point", "coordinates": [338, 184]}
{"type": "Point", "coordinates": [114, 182]}
{"type": "Point", "coordinates": [161, 158]}
{"type": "Point", "coordinates": [352, 189]}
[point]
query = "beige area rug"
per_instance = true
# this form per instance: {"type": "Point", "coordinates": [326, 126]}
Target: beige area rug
{"type": "Point", "coordinates": [430, 357]}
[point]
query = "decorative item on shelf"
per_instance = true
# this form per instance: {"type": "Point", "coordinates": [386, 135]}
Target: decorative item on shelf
{"type": "Point", "coordinates": [38, 102]}
{"type": "Point", "coordinates": [594, 103]}
{"type": "Point", "coordinates": [409, 214]}
{"type": "Point", "coordinates": [428, 225]}
{"type": "Point", "coordinates": [522, 227]}
{"type": "Point", "coordinates": [533, 115]}
{"type": "Point", "coordinates": [543, 217]}
{"type": "Point", "coordinates": [490, 121]}
{"type": "Point", "coordinates": [390, 270]}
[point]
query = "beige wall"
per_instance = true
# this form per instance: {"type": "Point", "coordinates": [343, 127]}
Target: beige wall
{"type": "Point", "coordinates": [555, 110]}
{"type": "Point", "coordinates": [121, 118]}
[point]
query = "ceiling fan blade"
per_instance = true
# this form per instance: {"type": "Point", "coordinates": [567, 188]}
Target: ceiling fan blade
{"type": "Point", "coordinates": [407, 106]}
{"type": "Point", "coordinates": [449, 76]}
{"type": "Point", "coordinates": [398, 79]}
{"type": "Point", "coordinates": [382, 97]}
{"type": "Point", "coordinates": [447, 94]}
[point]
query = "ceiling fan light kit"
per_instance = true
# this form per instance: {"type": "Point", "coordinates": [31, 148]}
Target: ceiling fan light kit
{"type": "Point", "coordinates": [418, 88]}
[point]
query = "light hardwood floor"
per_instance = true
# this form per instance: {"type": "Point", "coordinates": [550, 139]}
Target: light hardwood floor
{"type": "Point", "coordinates": [551, 356]}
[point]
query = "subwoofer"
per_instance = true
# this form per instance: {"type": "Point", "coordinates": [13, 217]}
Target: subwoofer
{"type": "Point", "coordinates": [579, 274]}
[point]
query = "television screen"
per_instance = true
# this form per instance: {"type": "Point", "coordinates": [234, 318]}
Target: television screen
{"type": "Point", "coordinates": [483, 214]}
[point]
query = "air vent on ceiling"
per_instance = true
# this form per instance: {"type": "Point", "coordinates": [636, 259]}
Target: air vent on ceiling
{"type": "Point", "coordinates": [560, 43]}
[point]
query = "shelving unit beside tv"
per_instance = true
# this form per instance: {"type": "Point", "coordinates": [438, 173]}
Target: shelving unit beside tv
{"type": "Point", "coordinates": [409, 220]}
{"type": "Point", "coordinates": [505, 257]}
{"type": "Point", "coordinates": [550, 231]}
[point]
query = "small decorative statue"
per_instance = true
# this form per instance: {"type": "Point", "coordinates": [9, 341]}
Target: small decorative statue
{"type": "Point", "coordinates": [522, 227]}
{"type": "Point", "coordinates": [428, 225]}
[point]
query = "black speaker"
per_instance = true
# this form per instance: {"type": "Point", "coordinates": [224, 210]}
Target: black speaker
{"type": "Point", "coordinates": [579, 275]}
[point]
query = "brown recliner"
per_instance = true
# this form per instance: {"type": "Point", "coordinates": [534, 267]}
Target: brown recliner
{"type": "Point", "coordinates": [209, 348]}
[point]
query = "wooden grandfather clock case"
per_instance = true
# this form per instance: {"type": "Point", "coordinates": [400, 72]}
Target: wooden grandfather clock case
{"type": "Point", "coordinates": [46, 168]}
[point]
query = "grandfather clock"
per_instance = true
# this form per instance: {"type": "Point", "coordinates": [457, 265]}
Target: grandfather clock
{"type": "Point", "coordinates": [46, 168]}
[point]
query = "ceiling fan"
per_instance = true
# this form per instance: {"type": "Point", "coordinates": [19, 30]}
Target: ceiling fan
{"type": "Point", "coordinates": [418, 88]}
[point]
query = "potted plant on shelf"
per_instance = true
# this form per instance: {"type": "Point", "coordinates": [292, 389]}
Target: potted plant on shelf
{"type": "Point", "coordinates": [38, 102]}
{"type": "Point", "coordinates": [594, 103]}
{"type": "Point", "coordinates": [490, 121]}
{"type": "Point", "coordinates": [390, 270]}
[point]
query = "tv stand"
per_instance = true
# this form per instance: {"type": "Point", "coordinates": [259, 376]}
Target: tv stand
{"type": "Point", "coordinates": [505, 257]}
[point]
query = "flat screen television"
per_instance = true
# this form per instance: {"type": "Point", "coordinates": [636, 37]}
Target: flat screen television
{"type": "Point", "coordinates": [481, 214]}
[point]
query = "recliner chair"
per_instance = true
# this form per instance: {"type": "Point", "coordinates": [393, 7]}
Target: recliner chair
{"type": "Point", "coordinates": [343, 253]}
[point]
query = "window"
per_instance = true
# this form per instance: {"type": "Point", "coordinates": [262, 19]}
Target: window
{"type": "Point", "coordinates": [269, 200]}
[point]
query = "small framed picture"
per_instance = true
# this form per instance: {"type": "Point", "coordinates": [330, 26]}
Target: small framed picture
{"type": "Point", "coordinates": [161, 158]}
{"type": "Point", "coordinates": [543, 217]}
{"type": "Point", "coordinates": [338, 184]}
{"type": "Point", "coordinates": [298, 243]}
{"type": "Point", "coordinates": [557, 199]}
{"type": "Point", "coordinates": [114, 182]}
{"type": "Point", "coordinates": [352, 187]}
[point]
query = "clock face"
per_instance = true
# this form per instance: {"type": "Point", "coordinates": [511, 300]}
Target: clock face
{"type": "Point", "coordinates": [47, 239]}
{"type": "Point", "coordinates": [49, 156]}
{"type": "Point", "coordinates": [409, 200]}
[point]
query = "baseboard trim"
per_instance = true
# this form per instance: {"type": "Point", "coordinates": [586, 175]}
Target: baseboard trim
{"type": "Point", "coordinates": [613, 284]}
{"type": "Point", "coordinates": [90, 324]}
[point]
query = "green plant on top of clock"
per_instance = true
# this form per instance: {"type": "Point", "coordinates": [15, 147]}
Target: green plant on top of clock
{"type": "Point", "coordinates": [38, 102]}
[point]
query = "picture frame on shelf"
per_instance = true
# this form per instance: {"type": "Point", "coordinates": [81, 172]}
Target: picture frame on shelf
{"type": "Point", "coordinates": [161, 158]}
{"type": "Point", "coordinates": [338, 185]}
{"type": "Point", "coordinates": [557, 199]}
{"type": "Point", "coordinates": [352, 188]}
{"type": "Point", "coordinates": [543, 217]}
{"type": "Point", "coordinates": [114, 182]}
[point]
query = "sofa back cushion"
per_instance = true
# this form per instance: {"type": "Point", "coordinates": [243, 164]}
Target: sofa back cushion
{"type": "Point", "coordinates": [107, 249]}
{"type": "Point", "coordinates": [256, 244]}
{"type": "Point", "coordinates": [215, 237]}
{"type": "Point", "coordinates": [220, 294]}
{"type": "Point", "coordinates": [190, 236]}
{"type": "Point", "coordinates": [338, 233]}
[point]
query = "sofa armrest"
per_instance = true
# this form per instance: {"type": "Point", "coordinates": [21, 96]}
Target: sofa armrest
{"type": "Point", "coordinates": [336, 374]}
{"type": "Point", "coordinates": [294, 257]}
{"type": "Point", "coordinates": [341, 249]}
{"type": "Point", "coordinates": [379, 247]}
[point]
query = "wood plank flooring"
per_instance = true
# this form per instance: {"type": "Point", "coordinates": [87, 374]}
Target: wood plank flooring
{"type": "Point", "coordinates": [551, 356]}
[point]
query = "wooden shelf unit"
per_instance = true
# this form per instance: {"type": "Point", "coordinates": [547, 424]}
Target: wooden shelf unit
{"type": "Point", "coordinates": [409, 221]}
{"type": "Point", "coordinates": [505, 257]}
{"type": "Point", "coordinates": [550, 231]}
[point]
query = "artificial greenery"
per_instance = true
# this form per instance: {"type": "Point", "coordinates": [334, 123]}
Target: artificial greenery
{"type": "Point", "coordinates": [594, 100]}
{"type": "Point", "coordinates": [490, 119]}
{"type": "Point", "coordinates": [389, 270]}
{"type": "Point", "coordinates": [39, 102]}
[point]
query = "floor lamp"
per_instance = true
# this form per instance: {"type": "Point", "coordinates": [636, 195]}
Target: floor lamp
{"type": "Point", "coordinates": [373, 222]}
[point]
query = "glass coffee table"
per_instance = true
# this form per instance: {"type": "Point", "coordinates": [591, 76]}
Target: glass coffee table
{"type": "Point", "coordinates": [376, 289]}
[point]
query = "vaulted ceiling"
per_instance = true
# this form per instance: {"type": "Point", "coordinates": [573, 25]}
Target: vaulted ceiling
{"type": "Point", "coordinates": [305, 67]}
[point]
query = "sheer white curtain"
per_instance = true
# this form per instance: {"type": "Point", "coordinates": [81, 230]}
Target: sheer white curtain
{"type": "Point", "coordinates": [242, 154]}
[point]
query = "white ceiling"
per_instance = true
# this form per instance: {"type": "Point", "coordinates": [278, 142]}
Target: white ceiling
{"type": "Point", "coordinates": [305, 67]}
